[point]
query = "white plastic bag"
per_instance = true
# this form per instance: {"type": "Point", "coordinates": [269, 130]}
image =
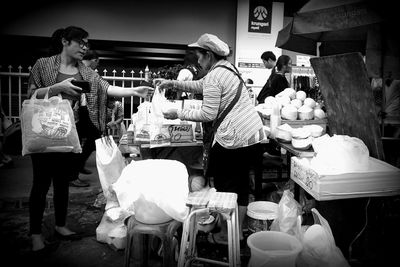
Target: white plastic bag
{"type": "Point", "coordinates": [319, 248]}
{"type": "Point", "coordinates": [110, 164]}
{"type": "Point", "coordinates": [48, 125]}
{"type": "Point", "coordinates": [287, 216]}
{"type": "Point", "coordinates": [158, 181]}
{"type": "Point", "coordinates": [159, 136]}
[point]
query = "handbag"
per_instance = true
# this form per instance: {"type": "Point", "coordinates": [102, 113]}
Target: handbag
{"type": "Point", "coordinates": [210, 128]}
{"type": "Point", "coordinates": [48, 125]}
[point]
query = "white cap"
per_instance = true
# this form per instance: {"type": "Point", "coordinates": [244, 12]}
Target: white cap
{"type": "Point", "coordinates": [213, 43]}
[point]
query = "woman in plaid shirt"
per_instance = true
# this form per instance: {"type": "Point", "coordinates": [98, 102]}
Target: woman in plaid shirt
{"type": "Point", "coordinates": [54, 75]}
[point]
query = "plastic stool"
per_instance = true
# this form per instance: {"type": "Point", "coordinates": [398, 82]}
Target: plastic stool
{"type": "Point", "coordinates": [137, 236]}
{"type": "Point", "coordinates": [200, 202]}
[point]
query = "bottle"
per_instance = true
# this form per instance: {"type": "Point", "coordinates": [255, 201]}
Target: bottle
{"type": "Point", "coordinates": [275, 119]}
{"type": "Point", "coordinates": [146, 73]}
{"type": "Point", "coordinates": [252, 96]}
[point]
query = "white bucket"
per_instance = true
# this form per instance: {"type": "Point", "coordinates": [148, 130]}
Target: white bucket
{"type": "Point", "coordinates": [273, 249]}
{"type": "Point", "coordinates": [261, 215]}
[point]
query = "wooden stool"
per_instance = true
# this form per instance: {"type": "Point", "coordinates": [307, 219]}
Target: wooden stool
{"type": "Point", "coordinates": [204, 201]}
{"type": "Point", "coordinates": [137, 236]}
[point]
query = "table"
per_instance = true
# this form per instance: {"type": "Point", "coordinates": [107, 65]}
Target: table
{"type": "Point", "coordinates": [292, 151]}
{"type": "Point", "coordinates": [189, 153]}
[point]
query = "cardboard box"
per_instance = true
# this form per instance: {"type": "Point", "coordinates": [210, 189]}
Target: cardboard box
{"type": "Point", "coordinates": [180, 133]}
{"type": "Point", "coordinates": [385, 181]}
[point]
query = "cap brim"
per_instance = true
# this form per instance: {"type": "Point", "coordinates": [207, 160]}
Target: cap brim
{"type": "Point", "coordinates": [195, 45]}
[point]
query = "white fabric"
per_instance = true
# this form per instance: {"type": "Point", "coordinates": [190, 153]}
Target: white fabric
{"type": "Point", "coordinates": [185, 75]}
{"type": "Point", "coordinates": [339, 154]}
{"type": "Point", "coordinates": [159, 181]}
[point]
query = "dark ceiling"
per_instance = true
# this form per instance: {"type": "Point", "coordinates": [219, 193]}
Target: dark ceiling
{"type": "Point", "coordinates": [112, 53]}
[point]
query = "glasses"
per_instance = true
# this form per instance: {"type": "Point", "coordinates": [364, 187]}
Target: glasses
{"type": "Point", "coordinates": [82, 43]}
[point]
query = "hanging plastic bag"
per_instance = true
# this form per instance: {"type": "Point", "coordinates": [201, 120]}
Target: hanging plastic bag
{"type": "Point", "coordinates": [159, 136]}
{"type": "Point", "coordinates": [110, 163]}
{"type": "Point", "coordinates": [48, 125]}
{"type": "Point", "coordinates": [287, 216]}
{"type": "Point", "coordinates": [319, 248]}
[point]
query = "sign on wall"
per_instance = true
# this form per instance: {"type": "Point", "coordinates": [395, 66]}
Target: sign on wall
{"type": "Point", "coordinates": [260, 16]}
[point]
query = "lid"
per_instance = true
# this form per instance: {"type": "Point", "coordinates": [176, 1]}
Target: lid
{"type": "Point", "coordinates": [301, 133]}
{"type": "Point", "coordinates": [262, 210]}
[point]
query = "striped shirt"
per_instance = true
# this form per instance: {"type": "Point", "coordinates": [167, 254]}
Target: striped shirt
{"type": "Point", "coordinates": [44, 74]}
{"type": "Point", "coordinates": [242, 126]}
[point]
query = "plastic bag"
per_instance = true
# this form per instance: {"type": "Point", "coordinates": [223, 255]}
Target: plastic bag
{"type": "Point", "coordinates": [319, 248]}
{"type": "Point", "coordinates": [48, 125]}
{"type": "Point", "coordinates": [158, 181]}
{"type": "Point", "coordinates": [287, 216]}
{"type": "Point", "coordinates": [159, 136]}
{"type": "Point", "coordinates": [110, 163]}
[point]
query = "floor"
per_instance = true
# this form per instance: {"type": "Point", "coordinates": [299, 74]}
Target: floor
{"type": "Point", "coordinates": [85, 214]}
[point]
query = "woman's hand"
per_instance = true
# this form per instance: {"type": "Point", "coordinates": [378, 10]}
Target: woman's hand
{"type": "Point", "coordinates": [165, 84]}
{"type": "Point", "coordinates": [171, 114]}
{"type": "Point", "coordinates": [143, 91]}
{"type": "Point", "coordinates": [67, 88]}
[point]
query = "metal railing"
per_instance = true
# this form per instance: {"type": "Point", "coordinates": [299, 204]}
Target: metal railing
{"type": "Point", "coordinates": [14, 89]}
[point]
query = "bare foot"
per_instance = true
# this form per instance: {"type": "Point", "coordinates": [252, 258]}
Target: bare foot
{"type": "Point", "coordinates": [37, 242]}
{"type": "Point", "coordinates": [64, 230]}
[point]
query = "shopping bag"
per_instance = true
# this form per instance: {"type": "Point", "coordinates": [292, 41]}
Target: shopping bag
{"type": "Point", "coordinates": [110, 163]}
{"type": "Point", "coordinates": [159, 135]}
{"type": "Point", "coordinates": [319, 248]}
{"type": "Point", "coordinates": [48, 125]}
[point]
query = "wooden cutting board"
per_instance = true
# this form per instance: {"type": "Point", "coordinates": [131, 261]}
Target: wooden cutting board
{"type": "Point", "coordinates": [348, 97]}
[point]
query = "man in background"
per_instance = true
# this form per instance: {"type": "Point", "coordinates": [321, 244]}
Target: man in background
{"type": "Point", "coordinates": [269, 60]}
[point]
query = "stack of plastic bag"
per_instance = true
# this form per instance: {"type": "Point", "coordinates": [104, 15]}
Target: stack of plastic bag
{"type": "Point", "coordinates": [159, 184]}
{"type": "Point", "coordinates": [110, 164]}
{"type": "Point", "coordinates": [339, 154]}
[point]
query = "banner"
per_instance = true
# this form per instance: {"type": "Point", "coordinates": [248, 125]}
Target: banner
{"type": "Point", "coordinates": [260, 16]}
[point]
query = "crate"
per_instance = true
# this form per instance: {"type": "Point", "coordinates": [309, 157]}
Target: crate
{"type": "Point", "coordinates": [381, 179]}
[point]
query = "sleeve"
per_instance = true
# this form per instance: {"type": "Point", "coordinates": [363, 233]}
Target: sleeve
{"type": "Point", "coordinates": [190, 86]}
{"type": "Point", "coordinates": [211, 102]}
{"type": "Point", "coordinates": [34, 78]}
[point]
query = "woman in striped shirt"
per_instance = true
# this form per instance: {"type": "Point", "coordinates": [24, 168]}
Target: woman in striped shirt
{"type": "Point", "coordinates": [237, 138]}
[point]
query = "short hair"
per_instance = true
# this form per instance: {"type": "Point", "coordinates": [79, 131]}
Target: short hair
{"type": "Point", "coordinates": [69, 33]}
{"type": "Point", "coordinates": [90, 54]}
{"type": "Point", "coordinates": [268, 55]}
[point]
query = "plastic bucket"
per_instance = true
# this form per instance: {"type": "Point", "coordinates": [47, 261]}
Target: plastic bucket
{"type": "Point", "coordinates": [261, 214]}
{"type": "Point", "coordinates": [273, 249]}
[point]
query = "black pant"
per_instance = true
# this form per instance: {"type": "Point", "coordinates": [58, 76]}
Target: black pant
{"type": "Point", "coordinates": [88, 133]}
{"type": "Point", "coordinates": [47, 168]}
{"type": "Point", "coordinates": [231, 168]}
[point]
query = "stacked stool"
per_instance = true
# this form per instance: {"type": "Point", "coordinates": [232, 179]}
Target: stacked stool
{"type": "Point", "coordinates": [137, 241]}
{"type": "Point", "coordinates": [201, 202]}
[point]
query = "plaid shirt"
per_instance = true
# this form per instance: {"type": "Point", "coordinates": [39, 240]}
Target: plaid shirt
{"type": "Point", "coordinates": [44, 73]}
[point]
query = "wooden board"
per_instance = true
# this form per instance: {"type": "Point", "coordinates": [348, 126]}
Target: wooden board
{"type": "Point", "coordinates": [347, 93]}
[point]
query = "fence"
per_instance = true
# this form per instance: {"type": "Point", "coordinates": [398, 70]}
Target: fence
{"type": "Point", "coordinates": [14, 89]}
